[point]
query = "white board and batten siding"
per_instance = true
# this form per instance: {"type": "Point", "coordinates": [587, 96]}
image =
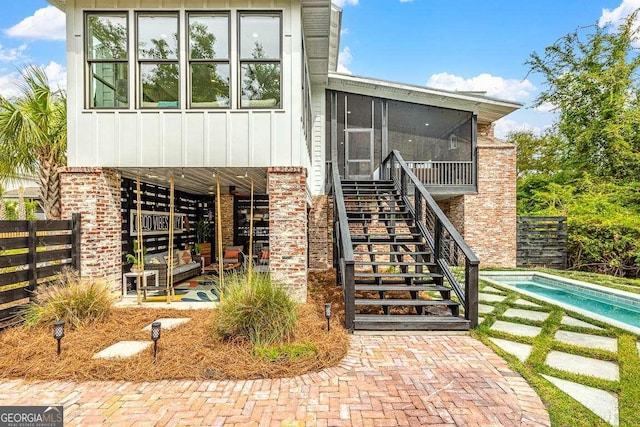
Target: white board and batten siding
{"type": "Point", "coordinates": [186, 137]}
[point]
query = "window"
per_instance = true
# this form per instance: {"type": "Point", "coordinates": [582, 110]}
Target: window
{"type": "Point", "coordinates": [158, 55]}
{"type": "Point", "coordinates": [209, 60]}
{"type": "Point", "coordinates": [107, 59]}
{"type": "Point", "coordinates": [260, 59]}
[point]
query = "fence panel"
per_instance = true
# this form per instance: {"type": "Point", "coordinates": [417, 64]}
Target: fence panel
{"type": "Point", "coordinates": [542, 242]}
{"type": "Point", "coordinates": [33, 252]}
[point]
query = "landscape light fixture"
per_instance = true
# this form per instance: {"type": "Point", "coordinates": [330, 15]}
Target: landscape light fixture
{"type": "Point", "coordinates": [58, 332]}
{"type": "Point", "coordinates": [327, 314]}
{"type": "Point", "coordinates": [155, 336]}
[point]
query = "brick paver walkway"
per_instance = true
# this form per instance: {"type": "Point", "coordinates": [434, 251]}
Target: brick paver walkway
{"type": "Point", "coordinates": [384, 381]}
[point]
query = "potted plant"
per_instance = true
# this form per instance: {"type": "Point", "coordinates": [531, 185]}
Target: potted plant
{"type": "Point", "coordinates": [133, 258]}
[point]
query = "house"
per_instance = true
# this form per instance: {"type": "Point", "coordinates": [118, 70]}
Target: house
{"type": "Point", "coordinates": [241, 91]}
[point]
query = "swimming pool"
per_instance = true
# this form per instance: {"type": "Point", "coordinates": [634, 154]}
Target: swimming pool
{"type": "Point", "coordinates": [618, 308]}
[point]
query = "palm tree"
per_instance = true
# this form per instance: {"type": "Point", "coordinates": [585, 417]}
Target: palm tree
{"type": "Point", "coordinates": [33, 136]}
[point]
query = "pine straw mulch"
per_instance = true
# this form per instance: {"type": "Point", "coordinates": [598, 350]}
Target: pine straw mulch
{"type": "Point", "coordinates": [190, 351]}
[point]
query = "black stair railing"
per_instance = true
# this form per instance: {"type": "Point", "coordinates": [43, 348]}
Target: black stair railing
{"type": "Point", "coordinates": [455, 260]}
{"type": "Point", "coordinates": [343, 259]}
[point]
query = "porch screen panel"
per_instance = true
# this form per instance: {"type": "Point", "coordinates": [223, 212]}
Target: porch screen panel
{"type": "Point", "coordinates": [423, 133]}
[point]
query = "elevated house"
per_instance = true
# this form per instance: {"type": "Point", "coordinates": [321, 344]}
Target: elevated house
{"type": "Point", "coordinates": [239, 91]}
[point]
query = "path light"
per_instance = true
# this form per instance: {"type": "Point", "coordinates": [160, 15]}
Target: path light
{"type": "Point", "coordinates": [155, 336]}
{"type": "Point", "coordinates": [58, 332]}
{"type": "Point", "coordinates": [327, 314]}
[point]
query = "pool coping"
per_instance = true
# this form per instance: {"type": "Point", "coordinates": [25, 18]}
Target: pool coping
{"type": "Point", "coordinates": [487, 275]}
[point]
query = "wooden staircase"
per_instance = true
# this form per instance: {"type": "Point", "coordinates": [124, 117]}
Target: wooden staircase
{"type": "Point", "coordinates": [398, 285]}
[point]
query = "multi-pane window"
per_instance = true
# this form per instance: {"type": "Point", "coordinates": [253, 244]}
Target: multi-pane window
{"type": "Point", "coordinates": [209, 60]}
{"type": "Point", "coordinates": [158, 56]}
{"type": "Point", "coordinates": [260, 60]}
{"type": "Point", "coordinates": [107, 36]}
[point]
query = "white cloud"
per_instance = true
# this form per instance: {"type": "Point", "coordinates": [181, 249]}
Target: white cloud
{"type": "Point", "coordinates": [344, 59]}
{"type": "Point", "coordinates": [47, 23]}
{"type": "Point", "coordinates": [12, 54]}
{"type": "Point", "coordinates": [56, 74]}
{"type": "Point", "coordinates": [546, 107]}
{"type": "Point", "coordinates": [505, 126]}
{"type": "Point", "coordinates": [342, 3]}
{"type": "Point", "coordinates": [494, 86]}
{"type": "Point", "coordinates": [619, 14]}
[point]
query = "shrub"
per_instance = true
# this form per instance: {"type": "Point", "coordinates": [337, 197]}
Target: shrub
{"type": "Point", "coordinates": [71, 298]}
{"type": "Point", "coordinates": [261, 312]}
{"type": "Point", "coordinates": [287, 352]}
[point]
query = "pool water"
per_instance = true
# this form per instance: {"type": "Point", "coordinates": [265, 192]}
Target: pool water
{"type": "Point", "coordinates": [617, 310]}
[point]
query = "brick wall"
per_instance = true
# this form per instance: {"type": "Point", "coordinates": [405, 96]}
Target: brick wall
{"type": "Point", "coordinates": [95, 193]}
{"type": "Point", "coordinates": [288, 228]}
{"type": "Point", "coordinates": [490, 216]}
{"type": "Point", "coordinates": [320, 239]}
{"type": "Point", "coordinates": [227, 213]}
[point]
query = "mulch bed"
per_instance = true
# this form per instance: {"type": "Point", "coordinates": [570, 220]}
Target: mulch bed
{"type": "Point", "coordinates": [190, 351]}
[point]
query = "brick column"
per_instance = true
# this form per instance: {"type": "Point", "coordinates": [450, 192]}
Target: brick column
{"type": "Point", "coordinates": [288, 228]}
{"type": "Point", "coordinates": [95, 193]}
{"type": "Point", "coordinates": [227, 213]}
{"type": "Point", "coordinates": [490, 216]}
{"type": "Point", "coordinates": [320, 240]}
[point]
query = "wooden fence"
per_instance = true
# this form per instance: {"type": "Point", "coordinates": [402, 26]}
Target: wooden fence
{"type": "Point", "coordinates": [542, 242]}
{"type": "Point", "coordinates": [33, 252]}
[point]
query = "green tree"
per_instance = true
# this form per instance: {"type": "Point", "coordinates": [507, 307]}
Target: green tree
{"type": "Point", "coordinates": [33, 136]}
{"type": "Point", "coordinates": [262, 80]}
{"type": "Point", "coordinates": [536, 154]}
{"type": "Point", "coordinates": [592, 81]}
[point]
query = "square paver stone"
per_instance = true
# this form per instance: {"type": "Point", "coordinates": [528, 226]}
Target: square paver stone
{"type": "Point", "coordinates": [586, 340]}
{"type": "Point", "coordinates": [519, 350]}
{"type": "Point", "coordinates": [516, 329]}
{"type": "Point", "coordinates": [600, 402]}
{"type": "Point", "coordinates": [567, 320]}
{"type": "Point", "coordinates": [122, 349]}
{"type": "Point", "coordinates": [526, 314]}
{"type": "Point", "coordinates": [521, 301]}
{"type": "Point", "coordinates": [484, 308]}
{"type": "Point", "coordinates": [168, 322]}
{"type": "Point", "coordinates": [491, 289]}
{"type": "Point", "coordinates": [583, 365]}
{"type": "Point", "coordinates": [490, 297]}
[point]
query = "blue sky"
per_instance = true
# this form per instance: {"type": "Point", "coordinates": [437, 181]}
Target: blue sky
{"type": "Point", "coordinates": [461, 44]}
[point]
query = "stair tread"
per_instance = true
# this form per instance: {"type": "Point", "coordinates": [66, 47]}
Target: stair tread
{"type": "Point", "coordinates": [406, 317]}
{"type": "Point", "coordinates": [400, 302]}
{"type": "Point", "coordinates": [395, 275]}
{"type": "Point", "coordinates": [393, 253]}
{"type": "Point", "coordinates": [408, 288]}
{"type": "Point", "coordinates": [398, 263]}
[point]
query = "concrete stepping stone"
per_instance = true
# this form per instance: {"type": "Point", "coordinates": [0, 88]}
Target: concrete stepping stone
{"type": "Point", "coordinates": [525, 302]}
{"type": "Point", "coordinates": [570, 321]}
{"type": "Point", "coordinates": [484, 308]}
{"type": "Point", "coordinates": [480, 319]}
{"type": "Point", "coordinates": [600, 402]}
{"type": "Point", "coordinates": [122, 349]}
{"type": "Point", "coordinates": [490, 297]}
{"type": "Point", "coordinates": [586, 340]}
{"type": "Point", "coordinates": [492, 289]}
{"type": "Point", "coordinates": [167, 323]}
{"type": "Point", "coordinates": [516, 329]}
{"type": "Point", "coordinates": [583, 365]}
{"type": "Point", "coordinates": [519, 350]}
{"type": "Point", "coordinates": [526, 314]}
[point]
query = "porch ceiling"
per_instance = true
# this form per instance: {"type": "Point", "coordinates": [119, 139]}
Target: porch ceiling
{"type": "Point", "coordinates": [201, 181]}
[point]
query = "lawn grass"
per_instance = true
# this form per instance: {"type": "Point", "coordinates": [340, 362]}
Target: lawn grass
{"type": "Point", "coordinates": [563, 410]}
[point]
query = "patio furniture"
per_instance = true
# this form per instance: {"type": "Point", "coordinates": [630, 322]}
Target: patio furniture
{"type": "Point", "coordinates": [186, 270]}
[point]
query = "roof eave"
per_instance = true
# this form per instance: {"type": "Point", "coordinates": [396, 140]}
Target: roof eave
{"type": "Point", "coordinates": [60, 4]}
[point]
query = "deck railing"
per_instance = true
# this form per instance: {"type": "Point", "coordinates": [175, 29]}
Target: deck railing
{"type": "Point", "coordinates": [442, 172]}
{"type": "Point", "coordinates": [343, 258]}
{"type": "Point", "coordinates": [456, 261]}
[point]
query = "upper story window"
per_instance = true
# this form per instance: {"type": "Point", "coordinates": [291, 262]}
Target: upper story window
{"type": "Point", "coordinates": [158, 60]}
{"type": "Point", "coordinates": [209, 60]}
{"type": "Point", "coordinates": [107, 39]}
{"type": "Point", "coordinates": [260, 60]}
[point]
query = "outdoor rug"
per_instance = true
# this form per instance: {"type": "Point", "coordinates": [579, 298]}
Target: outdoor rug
{"type": "Point", "coordinates": [196, 291]}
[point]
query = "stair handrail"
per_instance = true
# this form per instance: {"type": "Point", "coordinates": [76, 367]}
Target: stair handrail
{"type": "Point", "coordinates": [469, 296]}
{"type": "Point", "coordinates": [343, 257]}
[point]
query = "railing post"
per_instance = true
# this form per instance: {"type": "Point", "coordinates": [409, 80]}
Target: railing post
{"type": "Point", "coordinates": [403, 183]}
{"type": "Point", "coordinates": [33, 262]}
{"type": "Point", "coordinates": [437, 238]}
{"type": "Point", "coordinates": [471, 294]}
{"type": "Point", "coordinates": [349, 295]}
{"type": "Point", "coordinates": [76, 241]}
{"type": "Point", "coordinates": [392, 168]}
